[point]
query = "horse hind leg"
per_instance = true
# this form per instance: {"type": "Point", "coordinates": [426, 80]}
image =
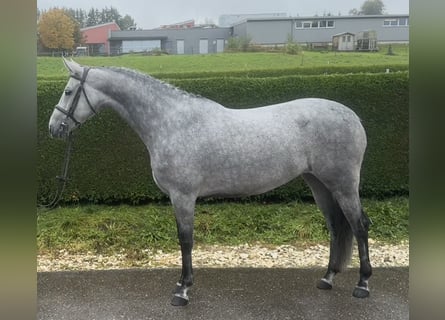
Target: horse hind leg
{"type": "Point", "coordinates": [339, 229]}
{"type": "Point", "coordinates": [349, 202]}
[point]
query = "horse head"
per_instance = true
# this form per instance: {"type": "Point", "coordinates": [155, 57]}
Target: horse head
{"type": "Point", "coordinates": [76, 104]}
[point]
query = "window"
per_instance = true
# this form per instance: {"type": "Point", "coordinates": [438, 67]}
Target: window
{"type": "Point", "coordinates": [315, 24]}
{"type": "Point", "coordinates": [400, 22]}
{"type": "Point", "coordinates": [403, 22]}
{"type": "Point", "coordinates": [140, 45]}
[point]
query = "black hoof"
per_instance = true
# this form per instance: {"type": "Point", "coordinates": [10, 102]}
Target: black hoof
{"type": "Point", "coordinates": [324, 284]}
{"type": "Point", "coordinates": [360, 292]}
{"type": "Point", "coordinates": [179, 301]}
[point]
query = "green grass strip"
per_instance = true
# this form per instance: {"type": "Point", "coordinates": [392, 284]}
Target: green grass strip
{"type": "Point", "coordinates": [110, 229]}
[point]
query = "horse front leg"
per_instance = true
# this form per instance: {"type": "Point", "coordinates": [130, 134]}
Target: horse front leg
{"type": "Point", "coordinates": [184, 212]}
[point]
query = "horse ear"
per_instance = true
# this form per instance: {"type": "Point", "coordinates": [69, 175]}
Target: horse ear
{"type": "Point", "coordinates": [73, 67]}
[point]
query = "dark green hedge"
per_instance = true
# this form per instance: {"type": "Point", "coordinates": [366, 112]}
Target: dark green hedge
{"type": "Point", "coordinates": [296, 71]}
{"type": "Point", "coordinates": [111, 164]}
{"type": "Point", "coordinates": [265, 73]}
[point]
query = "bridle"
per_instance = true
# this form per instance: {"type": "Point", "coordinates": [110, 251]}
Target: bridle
{"type": "Point", "coordinates": [80, 89]}
{"type": "Point", "coordinates": [63, 178]}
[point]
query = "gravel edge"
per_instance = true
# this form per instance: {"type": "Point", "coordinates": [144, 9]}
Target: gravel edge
{"type": "Point", "coordinates": [217, 256]}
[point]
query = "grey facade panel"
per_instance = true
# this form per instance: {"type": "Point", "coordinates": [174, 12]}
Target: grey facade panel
{"type": "Point", "coordinates": [240, 30]}
{"type": "Point", "coordinates": [269, 32]}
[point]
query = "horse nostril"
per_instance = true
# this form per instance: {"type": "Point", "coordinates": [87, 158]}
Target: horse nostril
{"type": "Point", "coordinates": [58, 131]}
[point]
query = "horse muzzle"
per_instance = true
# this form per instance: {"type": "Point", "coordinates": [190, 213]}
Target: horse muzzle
{"type": "Point", "coordinates": [59, 132]}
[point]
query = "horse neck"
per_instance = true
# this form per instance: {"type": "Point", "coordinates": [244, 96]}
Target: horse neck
{"type": "Point", "coordinates": [149, 106]}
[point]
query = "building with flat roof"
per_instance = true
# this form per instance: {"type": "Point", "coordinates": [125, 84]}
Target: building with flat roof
{"type": "Point", "coordinates": [270, 31]}
{"type": "Point", "coordinates": [389, 28]}
{"type": "Point", "coordinates": [200, 40]}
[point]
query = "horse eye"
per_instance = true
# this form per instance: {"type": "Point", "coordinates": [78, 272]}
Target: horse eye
{"type": "Point", "coordinates": [68, 92]}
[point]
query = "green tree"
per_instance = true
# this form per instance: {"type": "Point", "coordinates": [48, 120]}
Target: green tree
{"type": "Point", "coordinates": [292, 47]}
{"type": "Point", "coordinates": [78, 15]}
{"type": "Point", "coordinates": [126, 22]}
{"type": "Point", "coordinates": [239, 43]}
{"type": "Point", "coordinates": [369, 7]}
{"type": "Point", "coordinates": [372, 7]}
{"type": "Point", "coordinates": [93, 18]}
{"type": "Point", "coordinates": [79, 22]}
{"type": "Point", "coordinates": [56, 30]}
{"type": "Point", "coordinates": [109, 15]}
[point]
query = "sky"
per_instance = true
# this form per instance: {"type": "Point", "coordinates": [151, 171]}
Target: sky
{"type": "Point", "coordinates": [149, 14]}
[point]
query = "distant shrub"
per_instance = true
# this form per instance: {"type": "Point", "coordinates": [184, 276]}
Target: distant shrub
{"type": "Point", "coordinates": [239, 44]}
{"type": "Point", "coordinates": [292, 47]}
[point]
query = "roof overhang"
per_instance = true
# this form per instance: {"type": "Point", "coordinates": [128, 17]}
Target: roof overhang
{"type": "Point", "coordinates": [121, 38]}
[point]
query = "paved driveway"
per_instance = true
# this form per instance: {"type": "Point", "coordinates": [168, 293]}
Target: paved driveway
{"type": "Point", "coordinates": [220, 294]}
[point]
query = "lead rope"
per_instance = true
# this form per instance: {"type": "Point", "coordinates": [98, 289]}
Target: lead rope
{"type": "Point", "coordinates": [62, 179]}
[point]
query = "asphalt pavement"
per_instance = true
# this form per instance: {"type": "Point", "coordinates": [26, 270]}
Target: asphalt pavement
{"type": "Point", "coordinates": [225, 294]}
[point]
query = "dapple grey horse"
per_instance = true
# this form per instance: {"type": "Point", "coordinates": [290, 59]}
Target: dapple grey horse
{"type": "Point", "coordinates": [199, 148]}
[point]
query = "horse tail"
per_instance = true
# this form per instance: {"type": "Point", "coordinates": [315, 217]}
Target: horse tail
{"type": "Point", "coordinates": [339, 227]}
{"type": "Point", "coordinates": [341, 240]}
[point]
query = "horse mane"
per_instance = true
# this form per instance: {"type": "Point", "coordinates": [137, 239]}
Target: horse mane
{"type": "Point", "coordinates": [149, 80]}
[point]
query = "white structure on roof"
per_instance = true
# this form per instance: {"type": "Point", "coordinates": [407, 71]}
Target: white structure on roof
{"type": "Point", "coordinates": [228, 20]}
